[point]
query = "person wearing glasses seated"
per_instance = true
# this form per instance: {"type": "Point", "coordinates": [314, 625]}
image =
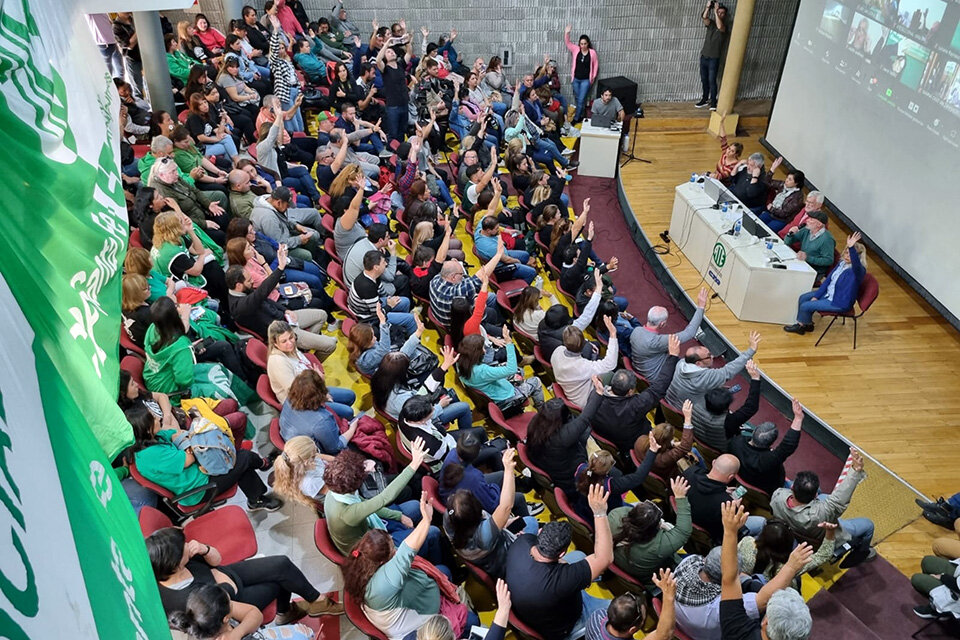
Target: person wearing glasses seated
{"type": "Point", "coordinates": [626, 614]}
{"type": "Point", "coordinates": [816, 243]}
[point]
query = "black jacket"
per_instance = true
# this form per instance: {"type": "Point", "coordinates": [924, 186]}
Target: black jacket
{"type": "Point", "coordinates": [567, 449]}
{"type": "Point", "coordinates": [706, 496]}
{"type": "Point", "coordinates": [751, 194]}
{"type": "Point", "coordinates": [714, 431]}
{"type": "Point", "coordinates": [255, 311]}
{"type": "Point", "coordinates": [763, 468]}
{"type": "Point", "coordinates": [622, 420]}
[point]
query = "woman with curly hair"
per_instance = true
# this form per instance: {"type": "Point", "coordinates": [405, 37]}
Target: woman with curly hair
{"type": "Point", "coordinates": [349, 516]}
{"type": "Point", "coordinates": [397, 593]}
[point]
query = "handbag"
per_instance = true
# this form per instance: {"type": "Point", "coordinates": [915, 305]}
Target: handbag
{"type": "Point", "coordinates": [374, 483]}
{"type": "Point", "coordinates": [422, 365]}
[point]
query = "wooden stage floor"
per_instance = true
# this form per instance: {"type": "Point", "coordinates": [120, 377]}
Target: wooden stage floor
{"type": "Point", "coordinates": [897, 397]}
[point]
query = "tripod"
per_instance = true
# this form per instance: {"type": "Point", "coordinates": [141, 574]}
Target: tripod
{"type": "Point", "coordinates": [630, 157]}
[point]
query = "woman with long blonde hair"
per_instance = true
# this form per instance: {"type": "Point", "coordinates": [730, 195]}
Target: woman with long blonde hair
{"type": "Point", "coordinates": [298, 472]}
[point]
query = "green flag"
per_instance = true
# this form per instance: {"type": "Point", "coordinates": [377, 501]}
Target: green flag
{"type": "Point", "coordinates": [73, 563]}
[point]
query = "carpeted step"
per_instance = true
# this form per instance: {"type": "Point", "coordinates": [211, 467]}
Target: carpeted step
{"type": "Point", "coordinates": [831, 619]}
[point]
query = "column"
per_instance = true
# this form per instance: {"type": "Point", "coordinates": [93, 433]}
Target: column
{"type": "Point", "coordinates": [736, 49]}
{"type": "Point", "coordinates": [156, 73]}
{"type": "Point", "coordinates": [232, 10]}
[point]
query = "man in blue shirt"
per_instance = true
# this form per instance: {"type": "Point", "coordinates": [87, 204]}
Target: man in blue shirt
{"type": "Point", "coordinates": [485, 240]}
{"type": "Point", "coordinates": [348, 121]}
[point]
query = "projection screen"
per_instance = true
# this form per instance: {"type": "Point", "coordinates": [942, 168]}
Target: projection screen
{"type": "Point", "coordinates": [868, 107]}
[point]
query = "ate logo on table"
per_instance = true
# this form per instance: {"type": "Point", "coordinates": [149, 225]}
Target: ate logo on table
{"type": "Point", "coordinates": [719, 254]}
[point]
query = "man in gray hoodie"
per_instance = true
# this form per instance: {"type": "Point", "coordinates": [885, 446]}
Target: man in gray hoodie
{"type": "Point", "coordinates": [695, 375]}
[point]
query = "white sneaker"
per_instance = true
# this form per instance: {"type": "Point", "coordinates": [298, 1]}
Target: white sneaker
{"type": "Point", "coordinates": [567, 152]}
{"type": "Point", "coordinates": [537, 283]}
{"type": "Point", "coordinates": [334, 326]}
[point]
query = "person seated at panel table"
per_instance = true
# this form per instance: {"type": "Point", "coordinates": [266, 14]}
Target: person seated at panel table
{"type": "Point", "coordinates": [787, 203]}
{"type": "Point", "coordinates": [607, 104]}
{"type": "Point", "coordinates": [816, 243]}
{"type": "Point", "coordinates": [749, 182]}
{"type": "Point", "coordinates": [813, 202]}
{"type": "Point", "coordinates": [839, 289]}
{"type": "Point", "coordinates": [729, 155]}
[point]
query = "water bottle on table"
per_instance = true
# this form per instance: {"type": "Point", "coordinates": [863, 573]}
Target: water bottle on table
{"type": "Point", "coordinates": [737, 226]}
{"type": "Point", "coordinates": [768, 250]}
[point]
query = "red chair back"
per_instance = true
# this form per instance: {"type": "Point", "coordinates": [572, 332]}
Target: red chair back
{"type": "Point", "coordinates": [430, 485]}
{"type": "Point", "coordinates": [314, 361]}
{"type": "Point", "coordinates": [538, 474]}
{"type": "Point", "coordinates": [321, 537]}
{"type": "Point", "coordinates": [257, 352]}
{"type": "Point", "coordinates": [135, 238]}
{"type": "Point", "coordinates": [227, 528]}
{"type": "Point", "coordinates": [504, 301]}
{"type": "Point", "coordinates": [275, 438]}
{"type": "Point", "coordinates": [168, 496]}
{"type": "Point", "coordinates": [251, 332]}
{"type": "Point", "coordinates": [335, 271]}
{"type": "Point", "coordinates": [869, 290]}
{"type": "Point", "coordinates": [347, 326]}
{"type": "Point", "coordinates": [340, 299]}
{"type": "Point", "coordinates": [575, 518]}
{"type": "Point", "coordinates": [134, 366]}
{"type": "Point", "coordinates": [402, 219]}
{"type": "Point", "coordinates": [265, 391]}
{"type": "Point", "coordinates": [554, 271]}
{"type": "Point", "coordinates": [152, 520]}
{"type": "Point", "coordinates": [129, 345]}
{"type": "Point", "coordinates": [516, 426]}
{"type": "Point", "coordinates": [327, 221]}
{"type": "Point", "coordinates": [558, 392]}
{"type": "Point", "coordinates": [359, 619]}
{"type": "Point", "coordinates": [331, 248]}
{"type": "Point", "coordinates": [405, 241]}
{"type": "Point", "coordinates": [523, 628]}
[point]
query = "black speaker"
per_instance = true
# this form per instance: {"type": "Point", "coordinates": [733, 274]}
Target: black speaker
{"type": "Point", "coordinates": [623, 89]}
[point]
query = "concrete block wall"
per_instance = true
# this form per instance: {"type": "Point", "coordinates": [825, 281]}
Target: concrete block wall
{"type": "Point", "coordinates": [656, 43]}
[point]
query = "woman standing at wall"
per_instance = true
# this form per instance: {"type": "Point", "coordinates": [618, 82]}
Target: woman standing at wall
{"type": "Point", "coordinates": [583, 70]}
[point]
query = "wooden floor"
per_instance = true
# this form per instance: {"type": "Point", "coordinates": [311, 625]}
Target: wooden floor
{"type": "Point", "coordinates": [897, 397]}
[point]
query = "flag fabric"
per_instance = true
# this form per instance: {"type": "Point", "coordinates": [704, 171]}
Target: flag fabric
{"type": "Point", "coordinates": [73, 563]}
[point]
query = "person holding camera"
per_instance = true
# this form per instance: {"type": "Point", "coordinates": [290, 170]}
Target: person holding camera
{"type": "Point", "coordinates": [710, 53]}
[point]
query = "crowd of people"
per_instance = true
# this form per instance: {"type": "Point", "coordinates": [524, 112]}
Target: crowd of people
{"type": "Point", "coordinates": [251, 228]}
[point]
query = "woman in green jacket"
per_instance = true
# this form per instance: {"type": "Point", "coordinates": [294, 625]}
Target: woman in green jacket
{"type": "Point", "coordinates": [501, 383]}
{"type": "Point", "coordinates": [161, 461]}
{"type": "Point", "coordinates": [179, 253]}
{"type": "Point", "coordinates": [172, 358]}
{"type": "Point", "coordinates": [641, 544]}
{"type": "Point", "coordinates": [188, 158]}
{"type": "Point", "coordinates": [178, 62]}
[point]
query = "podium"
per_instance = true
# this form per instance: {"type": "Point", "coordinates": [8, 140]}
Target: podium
{"type": "Point", "coordinates": [599, 151]}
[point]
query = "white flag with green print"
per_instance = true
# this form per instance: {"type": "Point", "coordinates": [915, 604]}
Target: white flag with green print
{"type": "Point", "coordinates": [72, 559]}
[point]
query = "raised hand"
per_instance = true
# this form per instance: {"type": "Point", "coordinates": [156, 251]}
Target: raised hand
{"type": "Point", "coordinates": [679, 486]}
{"type": "Point", "coordinates": [426, 509]}
{"type": "Point", "coordinates": [673, 345]}
{"type": "Point", "coordinates": [450, 358]}
{"type": "Point", "coordinates": [853, 239]}
{"type": "Point", "coordinates": [754, 340]}
{"type": "Point", "coordinates": [381, 316]}
{"type": "Point", "coordinates": [752, 370]}
{"type": "Point", "coordinates": [687, 411]}
{"type": "Point", "coordinates": [597, 498]}
{"type": "Point", "coordinates": [509, 460]}
{"type": "Point", "coordinates": [856, 460]}
{"type": "Point", "coordinates": [776, 164]}
{"type": "Point", "coordinates": [611, 330]}
{"type": "Point", "coordinates": [666, 583]}
{"type": "Point", "coordinates": [797, 409]}
{"type": "Point", "coordinates": [418, 452]}
{"type": "Point", "coordinates": [800, 556]}
{"type": "Point", "coordinates": [653, 444]}
{"type": "Point", "coordinates": [702, 297]}
{"type": "Point", "coordinates": [597, 385]}
{"type": "Point", "coordinates": [734, 516]}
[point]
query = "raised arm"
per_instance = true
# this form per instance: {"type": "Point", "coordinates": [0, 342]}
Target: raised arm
{"type": "Point", "coordinates": [602, 554]}
{"type": "Point", "coordinates": [349, 217]}
{"type": "Point", "coordinates": [668, 586]}
{"type": "Point", "coordinates": [733, 517]}
{"type": "Point", "coordinates": [341, 157]}
{"type": "Point", "coordinates": [798, 559]}
{"type": "Point", "coordinates": [502, 513]}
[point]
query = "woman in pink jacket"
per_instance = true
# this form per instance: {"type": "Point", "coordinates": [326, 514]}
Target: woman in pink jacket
{"type": "Point", "coordinates": [583, 70]}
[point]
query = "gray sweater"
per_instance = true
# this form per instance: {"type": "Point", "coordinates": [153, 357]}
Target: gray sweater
{"type": "Point", "coordinates": [692, 381]}
{"type": "Point", "coordinates": [805, 517]}
{"type": "Point", "coordinates": [273, 224]}
{"type": "Point", "coordinates": [353, 266]}
{"type": "Point", "coordinates": [648, 349]}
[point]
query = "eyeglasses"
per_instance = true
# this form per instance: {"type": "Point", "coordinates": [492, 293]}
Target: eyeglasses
{"type": "Point", "coordinates": [656, 508]}
{"type": "Point", "coordinates": [640, 615]}
{"type": "Point", "coordinates": [209, 86]}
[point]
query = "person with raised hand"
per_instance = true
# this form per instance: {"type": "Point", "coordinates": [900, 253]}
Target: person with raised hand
{"type": "Point", "coordinates": [696, 375]}
{"type": "Point", "coordinates": [641, 545]}
{"type": "Point", "coordinates": [548, 583]}
{"type": "Point", "coordinates": [787, 615]}
{"type": "Point", "coordinates": [761, 464]}
{"type": "Point", "coordinates": [397, 592]}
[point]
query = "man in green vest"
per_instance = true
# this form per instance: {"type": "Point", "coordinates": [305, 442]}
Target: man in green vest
{"type": "Point", "coordinates": [816, 243]}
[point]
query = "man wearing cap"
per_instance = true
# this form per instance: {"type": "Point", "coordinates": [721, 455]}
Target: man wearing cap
{"type": "Point", "coordinates": [274, 217]}
{"type": "Point", "coordinates": [698, 596]}
{"type": "Point", "coordinates": [547, 583]}
{"type": "Point", "coordinates": [816, 243]}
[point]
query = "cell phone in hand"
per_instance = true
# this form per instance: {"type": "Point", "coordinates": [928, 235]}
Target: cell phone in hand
{"type": "Point", "coordinates": [516, 526]}
{"type": "Point", "coordinates": [735, 388]}
{"type": "Point", "coordinates": [739, 492]}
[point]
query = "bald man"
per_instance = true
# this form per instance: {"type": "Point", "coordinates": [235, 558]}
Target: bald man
{"type": "Point", "coordinates": [708, 490]}
{"type": "Point", "coordinates": [648, 344]}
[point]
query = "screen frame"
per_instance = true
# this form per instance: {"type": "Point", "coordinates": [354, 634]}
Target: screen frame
{"type": "Point", "coordinates": [836, 210]}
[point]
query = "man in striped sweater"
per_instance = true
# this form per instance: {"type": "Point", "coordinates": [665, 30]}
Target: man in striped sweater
{"type": "Point", "coordinates": [366, 293]}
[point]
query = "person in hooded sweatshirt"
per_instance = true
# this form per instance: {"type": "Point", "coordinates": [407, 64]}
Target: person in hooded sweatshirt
{"type": "Point", "coordinates": [550, 329]}
{"type": "Point", "coordinates": [696, 375]}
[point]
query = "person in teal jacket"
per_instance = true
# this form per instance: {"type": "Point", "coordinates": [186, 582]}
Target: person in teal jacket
{"type": "Point", "coordinates": [314, 68]}
{"type": "Point", "coordinates": [816, 243]}
{"type": "Point", "coordinates": [496, 382]}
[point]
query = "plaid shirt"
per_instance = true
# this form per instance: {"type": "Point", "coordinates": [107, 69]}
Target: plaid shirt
{"type": "Point", "coordinates": [442, 294]}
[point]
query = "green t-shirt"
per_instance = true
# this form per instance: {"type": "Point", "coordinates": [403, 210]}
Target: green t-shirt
{"type": "Point", "coordinates": [162, 463]}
